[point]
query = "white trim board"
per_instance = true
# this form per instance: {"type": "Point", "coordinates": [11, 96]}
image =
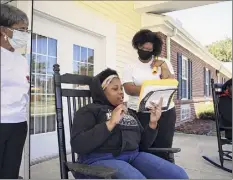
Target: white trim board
{"type": "Point", "coordinates": [69, 13]}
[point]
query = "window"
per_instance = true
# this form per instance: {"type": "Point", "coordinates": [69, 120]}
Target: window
{"type": "Point", "coordinates": [83, 60]}
{"type": "Point", "coordinates": [219, 78]}
{"type": "Point", "coordinates": [207, 80]}
{"type": "Point", "coordinates": [207, 77]}
{"type": "Point", "coordinates": [185, 79]}
{"type": "Point", "coordinates": [44, 56]}
{"type": "Point", "coordinates": [185, 112]}
{"type": "Point", "coordinates": [184, 76]}
{"type": "Point", "coordinates": [223, 80]}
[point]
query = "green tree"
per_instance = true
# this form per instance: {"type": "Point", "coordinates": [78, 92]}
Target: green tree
{"type": "Point", "coordinates": [222, 50]}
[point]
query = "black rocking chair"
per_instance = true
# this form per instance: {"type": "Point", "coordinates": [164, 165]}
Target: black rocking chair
{"type": "Point", "coordinates": [78, 98]}
{"type": "Point", "coordinates": [223, 154]}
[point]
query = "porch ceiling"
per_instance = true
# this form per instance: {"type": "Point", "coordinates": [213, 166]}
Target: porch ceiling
{"type": "Point", "coordinates": [159, 7]}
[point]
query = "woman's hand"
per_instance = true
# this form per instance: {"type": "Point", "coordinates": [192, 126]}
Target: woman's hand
{"type": "Point", "coordinates": [156, 111]}
{"type": "Point", "coordinates": [117, 115]}
{"type": "Point", "coordinates": [165, 72]}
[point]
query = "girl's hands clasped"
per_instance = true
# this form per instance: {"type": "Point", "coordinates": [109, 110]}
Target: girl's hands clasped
{"type": "Point", "coordinates": [117, 115]}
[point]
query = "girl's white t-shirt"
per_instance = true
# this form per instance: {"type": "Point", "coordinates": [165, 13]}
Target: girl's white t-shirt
{"type": "Point", "coordinates": [137, 73]}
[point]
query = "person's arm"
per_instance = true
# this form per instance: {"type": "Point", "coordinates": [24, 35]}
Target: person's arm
{"type": "Point", "coordinates": [148, 136]}
{"type": "Point", "coordinates": [225, 109]}
{"type": "Point", "coordinates": [167, 70]}
{"type": "Point", "coordinates": [86, 134]}
{"type": "Point", "coordinates": [151, 130]}
{"type": "Point", "coordinates": [129, 86]}
{"type": "Point", "coordinates": [131, 89]}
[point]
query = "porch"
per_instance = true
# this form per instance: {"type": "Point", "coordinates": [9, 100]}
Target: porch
{"type": "Point", "coordinates": [192, 148]}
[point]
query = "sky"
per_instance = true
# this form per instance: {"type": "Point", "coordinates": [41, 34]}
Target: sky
{"type": "Point", "coordinates": [207, 23]}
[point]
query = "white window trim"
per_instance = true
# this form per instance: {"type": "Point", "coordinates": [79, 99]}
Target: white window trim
{"type": "Point", "coordinates": [92, 24]}
{"type": "Point", "coordinates": [207, 83]}
{"type": "Point", "coordinates": [219, 78]}
{"type": "Point", "coordinates": [223, 80]}
{"type": "Point", "coordinates": [184, 58]}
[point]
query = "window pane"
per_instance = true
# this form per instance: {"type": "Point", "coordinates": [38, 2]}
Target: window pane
{"type": "Point", "coordinates": [51, 62]}
{"type": "Point", "coordinates": [90, 70]}
{"type": "Point", "coordinates": [50, 86]}
{"type": "Point", "coordinates": [51, 123]}
{"type": "Point", "coordinates": [51, 104]}
{"type": "Point", "coordinates": [40, 84]}
{"type": "Point", "coordinates": [91, 56]}
{"type": "Point", "coordinates": [184, 89]}
{"type": "Point", "coordinates": [40, 104]}
{"type": "Point", "coordinates": [39, 124]}
{"type": "Point", "coordinates": [32, 103]}
{"type": "Point", "coordinates": [76, 67]}
{"type": "Point", "coordinates": [34, 43]}
{"type": "Point", "coordinates": [83, 69]}
{"type": "Point", "coordinates": [41, 64]}
{"type": "Point", "coordinates": [83, 54]}
{"type": "Point", "coordinates": [76, 52]}
{"type": "Point", "coordinates": [52, 47]}
{"type": "Point", "coordinates": [207, 77]}
{"type": "Point", "coordinates": [41, 44]}
{"type": "Point", "coordinates": [32, 79]}
{"type": "Point", "coordinates": [33, 62]}
{"type": "Point", "coordinates": [31, 131]}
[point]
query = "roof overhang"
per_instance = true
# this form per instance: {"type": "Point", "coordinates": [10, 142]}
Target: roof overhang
{"type": "Point", "coordinates": [167, 25]}
{"type": "Point", "coordinates": [159, 7]}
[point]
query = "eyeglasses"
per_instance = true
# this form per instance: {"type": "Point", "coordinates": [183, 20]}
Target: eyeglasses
{"type": "Point", "coordinates": [22, 30]}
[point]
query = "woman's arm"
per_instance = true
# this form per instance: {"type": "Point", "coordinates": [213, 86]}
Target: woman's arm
{"type": "Point", "coordinates": [128, 83]}
{"type": "Point", "coordinates": [86, 135]}
{"type": "Point", "coordinates": [167, 72]}
{"type": "Point", "coordinates": [150, 132]}
{"type": "Point", "coordinates": [131, 89]}
{"type": "Point", "coordinates": [148, 137]}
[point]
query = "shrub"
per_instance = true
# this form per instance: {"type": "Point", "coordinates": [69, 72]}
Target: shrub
{"type": "Point", "coordinates": [205, 111]}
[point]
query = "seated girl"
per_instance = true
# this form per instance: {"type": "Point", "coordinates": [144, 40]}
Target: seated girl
{"type": "Point", "coordinates": [106, 133]}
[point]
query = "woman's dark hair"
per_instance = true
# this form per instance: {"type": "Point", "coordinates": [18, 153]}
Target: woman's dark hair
{"type": "Point", "coordinates": [11, 15]}
{"type": "Point", "coordinates": [105, 73]}
{"type": "Point", "coordinates": [145, 35]}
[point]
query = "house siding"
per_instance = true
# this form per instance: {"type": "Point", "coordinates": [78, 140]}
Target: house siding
{"type": "Point", "coordinates": [127, 21]}
{"type": "Point", "coordinates": [197, 77]}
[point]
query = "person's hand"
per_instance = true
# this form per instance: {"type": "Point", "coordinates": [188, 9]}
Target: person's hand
{"type": "Point", "coordinates": [117, 115]}
{"type": "Point", "coordinates": [156, 111]}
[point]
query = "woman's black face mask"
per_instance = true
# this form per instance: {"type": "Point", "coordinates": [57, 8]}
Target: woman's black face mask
{"type": "Point", "coordinates": [144, 55]}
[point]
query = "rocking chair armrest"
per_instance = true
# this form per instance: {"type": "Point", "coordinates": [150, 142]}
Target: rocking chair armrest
{"type": "Point", "coordinates": [91, 170]}
{"type": "Point", "coordinates": [225, 128]}
{"type": "Point", "coordinates": [168, 150]}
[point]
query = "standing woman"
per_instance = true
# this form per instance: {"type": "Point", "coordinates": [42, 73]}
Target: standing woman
{"type": "Point", "coordinates": [149, 46]}
{"type": "Point", "coordinates": [14, 90]}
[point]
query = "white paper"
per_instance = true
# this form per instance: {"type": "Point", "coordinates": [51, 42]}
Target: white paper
{"type": "Point", "coordinates": [166, 94]}
{"type": "Point", "coordinates": [155, 97]}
